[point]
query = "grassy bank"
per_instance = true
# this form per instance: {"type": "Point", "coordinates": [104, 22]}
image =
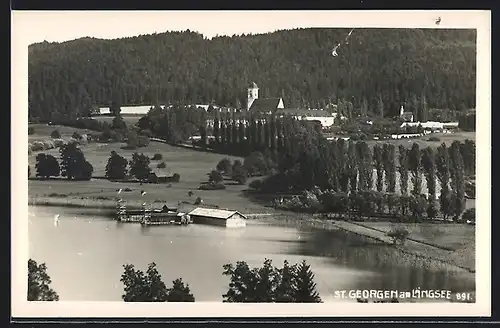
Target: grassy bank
{"type": "Point", "coordinates": [426, 250]}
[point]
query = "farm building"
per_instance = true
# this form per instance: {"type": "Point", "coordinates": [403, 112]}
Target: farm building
{"type": "Point", "coordinates": [226, 218]}
{"type": "Point", "coordinates": [128, 110]}
{"type": "Point", "coordinates": [406, 116]}
{"type": "Point", "coordinates": [432, 125]}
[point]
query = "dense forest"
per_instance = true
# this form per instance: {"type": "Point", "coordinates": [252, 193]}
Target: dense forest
{"type": "Point", "coordinates": [389, 65]}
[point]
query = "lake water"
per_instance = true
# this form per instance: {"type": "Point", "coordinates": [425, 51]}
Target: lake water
{"type": "Point", "coordinates": [85, 253]}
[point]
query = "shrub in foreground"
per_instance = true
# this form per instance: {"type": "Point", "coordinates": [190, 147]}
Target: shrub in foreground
{"type": "Point", "coordinates": [212, 186]}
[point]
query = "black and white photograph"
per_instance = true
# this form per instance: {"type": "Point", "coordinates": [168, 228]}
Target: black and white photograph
{"type": "Point", "coordinates": [219, 157]}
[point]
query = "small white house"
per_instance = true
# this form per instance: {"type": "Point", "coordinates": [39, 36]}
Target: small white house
{"type": "Point", "coordinates": [431, 125]}
{"type": "Point", "coordinates": [128, 110]}
{"type": "Point", "coordinates": [226, 218]}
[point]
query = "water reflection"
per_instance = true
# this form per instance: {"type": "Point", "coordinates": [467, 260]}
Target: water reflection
{"type": "Point", "coordinates": [393, 269]}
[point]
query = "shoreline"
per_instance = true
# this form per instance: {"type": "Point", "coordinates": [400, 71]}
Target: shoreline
{"type": "Point", "coordinates": [421, 250]}
{"type": "Point", "coordinates": [297, 220]}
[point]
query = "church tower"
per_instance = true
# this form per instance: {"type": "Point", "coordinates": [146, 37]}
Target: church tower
{"type": "Point", "coordinates": [253, 93]}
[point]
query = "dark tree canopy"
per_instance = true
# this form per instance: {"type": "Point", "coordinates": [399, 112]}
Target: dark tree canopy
{"type": "Point", "coordinates": [47, 166]}
{"type": "Point", "coordinates": [149, 287]}
{"type": "Point", "coordinates": [74, 166]}
{"type": "Point", "coordinates": [116, 168]}
{"type": "Point", "coordinates": [39, 283]}
{"type": "Point", "coordinates": [377, 70]}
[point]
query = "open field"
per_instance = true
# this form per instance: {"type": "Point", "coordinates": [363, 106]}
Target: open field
{"type": "Point", "coordinates": [43, 131]}
{"type": "Point", "coordinates": [129, 119]}
{"type": "Point", "coordinates": [192, 166]}
{"type": "Point", "coordinates": [424, 142]}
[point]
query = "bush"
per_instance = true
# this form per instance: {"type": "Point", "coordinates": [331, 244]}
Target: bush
{"type": "Point", "coordinates": [47, 144]}
{"type": "Point", "coordinates": [198, 201]}
{"type": "Point", "coordinates": [434, 139]}
{"type": "Point", "coordinates": [146, 133]}
{"type": "Point", "coordinates": [105, 136]}
{"type": "Point", "coordinates": [212, 186]}
{"type": "Point", "coordinates": [55, 134]}
{"type": "Point", "coordinates": [469, 215]}
{"type": "Point", "coordinates": [142, 141]}
{"type": "Point", "coordinates": [224, 166]}
{"type": "Point", "coordinates": [58, 142]}
{"type": "Point", "coordinates": [398, 235]}
{"type": "Point", "coordinates": [37, 146]}
{"type": "Point", "coordinates": [31, 130]}
{"type": "Point", "coordinates": [76, 136]}
{"type": "Point", "coordinates": [157, 157]}
{"type": "Point", "coordinates": [256, 184]}
{"type": "Point", "coordinates": [176, 177]}
{"type": "Point", "coordinates": [215, 176]}
{"type": "Point", "coordinates": [161, 165]}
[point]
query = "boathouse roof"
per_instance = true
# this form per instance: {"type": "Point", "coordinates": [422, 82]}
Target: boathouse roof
{"type": "Point", "coordinates": [214, 213]}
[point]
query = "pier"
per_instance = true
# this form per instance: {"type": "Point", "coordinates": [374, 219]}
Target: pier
{"type": "Point", "coordinates": [148, 216]}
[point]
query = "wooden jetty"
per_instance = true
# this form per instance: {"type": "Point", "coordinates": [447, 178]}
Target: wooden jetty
{"type": "Point", "coordinates": [169, 218]}
{"type": "Point", "coordinates": [147, 216]}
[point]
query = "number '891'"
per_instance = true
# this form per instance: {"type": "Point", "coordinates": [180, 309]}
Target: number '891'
{"type": "Point", "coordinates": [464, 297]}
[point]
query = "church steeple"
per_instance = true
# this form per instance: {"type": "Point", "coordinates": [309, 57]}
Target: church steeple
{"type": "Point", "coordinates": [253, 93]}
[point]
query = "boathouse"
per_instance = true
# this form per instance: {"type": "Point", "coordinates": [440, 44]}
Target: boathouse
{"type": "Point", "coordinates": [226, 218]}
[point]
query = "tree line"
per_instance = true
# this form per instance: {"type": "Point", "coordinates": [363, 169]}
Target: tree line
{"type": "Point", "coordinates": [72, 165]}
{"type": "Point", "coordinates": [352, 176]}
{"type": "Point", "coordinates": [288, 284]}
{"type": "Point", "coordinates": [379, 68]}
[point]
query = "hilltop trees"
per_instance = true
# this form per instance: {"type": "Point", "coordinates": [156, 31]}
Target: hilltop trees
{"type": "Point", "coordinates": [39, 283]}
{"type": "Point", "coordinates": [116, 168]}
{"type": "Point", "coordinates": [372, 71]}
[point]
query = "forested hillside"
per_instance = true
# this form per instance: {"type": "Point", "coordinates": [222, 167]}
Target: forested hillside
{"type": "Point", "coordinates": [394, 64]}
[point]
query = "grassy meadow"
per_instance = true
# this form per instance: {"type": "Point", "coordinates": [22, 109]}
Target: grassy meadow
{"type": "Point", "coordinates": [129, 119]}
{"type": "Point", "coordinates": [192, 166]}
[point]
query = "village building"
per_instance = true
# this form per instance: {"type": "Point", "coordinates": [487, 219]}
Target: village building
{"type": "Point", "coordinates": [433, 126]}
{"type": "Point", "coordinates": [325, 118]}
{"type": "Point", "coordinates": [406, 116]}
{"type": "Point", "coordinates": [262, 105]}
{"type": "Point", "coordinates": [226, 218]}
{"type": "Point", "coordinates": [277, 106]}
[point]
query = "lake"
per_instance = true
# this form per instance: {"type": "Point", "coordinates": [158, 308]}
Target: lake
{"type": "Point", "coordinates": [86, 251]}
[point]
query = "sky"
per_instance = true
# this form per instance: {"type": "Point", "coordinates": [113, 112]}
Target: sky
{"type": "Point", "coordinates": [59, 26]}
